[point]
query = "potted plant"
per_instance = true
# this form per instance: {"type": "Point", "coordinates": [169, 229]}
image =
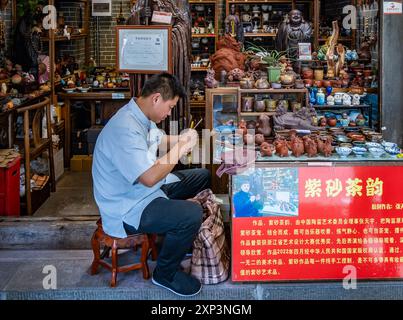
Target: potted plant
{"type": "Point", "coordinates": [270, 60]}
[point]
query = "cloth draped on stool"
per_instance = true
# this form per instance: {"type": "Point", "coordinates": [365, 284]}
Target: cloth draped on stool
{"type": "Point", "coordinates": [210, 256]}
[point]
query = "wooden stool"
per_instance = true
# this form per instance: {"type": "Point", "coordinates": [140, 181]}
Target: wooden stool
{"type": "Point", "coordinates": [146, 241]}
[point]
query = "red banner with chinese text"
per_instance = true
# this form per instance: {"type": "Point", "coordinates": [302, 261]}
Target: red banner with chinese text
{"type": "Point", "coordinates": [336, 218]}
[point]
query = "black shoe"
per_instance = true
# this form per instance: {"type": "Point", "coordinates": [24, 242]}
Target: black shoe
{"type": "Point", "coordinates": [182, 284]}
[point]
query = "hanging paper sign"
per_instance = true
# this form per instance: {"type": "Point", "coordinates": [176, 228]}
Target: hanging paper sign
{"type": "Point", "coordinates": [305, 51]}
{"type": "Point", "coordinates": [393, 7]}
{"type": "Point", "coordinates": [161, 17]}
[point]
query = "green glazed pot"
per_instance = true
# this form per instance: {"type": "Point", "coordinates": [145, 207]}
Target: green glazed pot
{"type": "Point", "coordinates": [273, 74]}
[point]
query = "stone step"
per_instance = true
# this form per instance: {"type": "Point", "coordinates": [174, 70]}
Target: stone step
{"type": "Point", "coordinates": [22, 277]}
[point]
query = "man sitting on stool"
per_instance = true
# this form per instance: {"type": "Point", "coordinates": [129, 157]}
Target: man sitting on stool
{"type": "Point", "coordinates": [136, 192]}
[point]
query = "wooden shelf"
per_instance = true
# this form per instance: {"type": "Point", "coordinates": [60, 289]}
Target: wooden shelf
{"type": "Point", "coordinates": [341, 106]}
{"type": "Point", "coordinates": [261, 1]}
{"type": "Point", "coordinates": [203, 35]}
{"type": "Point", "coordinates": [260, 34]}
{"type": "Point", "coordinates": [202, 1]}
{"type": "Point", "coordinates": [199, 68]}
{"type": "Point", "coordinates": [339, 39]}
{"type": "Point", "coordinates": [256, 114]}
{"type": "Point", "coordinates": [62, 38]}
{"type": "Point", "coordinates": [198, 103]}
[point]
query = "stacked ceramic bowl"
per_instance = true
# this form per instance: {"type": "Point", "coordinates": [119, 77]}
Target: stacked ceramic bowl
{"type": "Point", "coordinates": [391, 148]}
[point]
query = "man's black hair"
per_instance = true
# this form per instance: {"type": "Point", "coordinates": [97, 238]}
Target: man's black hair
{"type": "Point", "coordinates": [164, 83]}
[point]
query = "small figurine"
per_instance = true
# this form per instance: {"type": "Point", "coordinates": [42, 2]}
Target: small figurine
{"type": "Point", "coordinates": [345, 120]}
{"type": "Point", "coordinates": [347, 99]}
{"type": "Point", "coordinates": [356, 99]}
{"type": "Point", "coordinates": [66, 33]}
{"type": "Point", "coordinates": [210, 28]}
{"type": "Point", "coordinates": [330, 100]}
{"type": "Point", "coordinates": [210, 80]}
{"type": "Point", "coordinates": [338, 98]}
{"type": "Point", "coordinates": [4, 89]}
{"type": "Point", "coordinates": [320, 97]}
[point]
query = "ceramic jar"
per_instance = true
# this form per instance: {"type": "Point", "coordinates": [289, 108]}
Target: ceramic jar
{"type": "Point", "coordinates": [338, 98]}
{"type": "Point", "coordinates": [283, 103]}
{"type": "Point", "coordinates": [307, 73]}
{"type": "Point", "coordinates": [320, 98]}
{"type": "Point", "coordinates": [318, 74]}
{"type": "Point", "coordinates": [332, 122]}
{"type": "Point", "coordinates": [246, 83]}
{"type": "Point", "coordinates": [260, 106]}
{"type": "Point", "coordinates": [318, 83]}
{"type": "Point", "coordinates": [247, 104]}
{"type": "Point", "coordinates": [262, 83]}
{"type": "Point", "coordinates": [308, 83]}
{"type": "Point", "coordinates": [271, 105]}
{"type": "Point", "coordinates": [287, 78]}
{"type": "Point", "coordinates": [299, 84]}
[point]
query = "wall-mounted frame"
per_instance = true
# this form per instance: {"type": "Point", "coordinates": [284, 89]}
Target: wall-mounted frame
{"type": "Point", "coordinates": [144, 49]}
{"type": "Point", "coordinates": [101, 8]}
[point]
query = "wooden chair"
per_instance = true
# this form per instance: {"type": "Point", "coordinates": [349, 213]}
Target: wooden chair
{"type": "Point", "coordinates": [146, 241]}
{"type": "Point", "coordinates": [34, 148]}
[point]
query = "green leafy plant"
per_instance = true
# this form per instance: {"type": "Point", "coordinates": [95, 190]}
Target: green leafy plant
{"type": "Point", "coordinates": [271, 57]}
{"type": "Point", "coordinates": [24, 6]}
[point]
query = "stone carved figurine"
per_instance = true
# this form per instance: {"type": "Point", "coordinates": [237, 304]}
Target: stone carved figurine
{"type": "Point", "coordinates": [293, 30]}
{"type": "Point", "coordinates": [210, 80]}
{"type": "Point", "coordinates": [233, 25]}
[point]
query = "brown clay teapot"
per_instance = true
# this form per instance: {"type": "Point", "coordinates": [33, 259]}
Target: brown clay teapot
{"type": "Point", "coordinates": [281, 147]}
{"type": "Point", "coordinates": [327, 148]}
{"type": "Point", "coordinates": [297, 146]}
{"type": "Point", "coordinates": [266, 149]}
{"type": "Point", "coordinates": [259, 139]}
{"type": "Point", "coordinates": [311, 148]}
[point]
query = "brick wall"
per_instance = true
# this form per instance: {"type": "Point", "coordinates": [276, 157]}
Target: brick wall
{"type": "Point", "coordinates": [6, 16]}
{"type": "Point", "coordinates": [106, 33]}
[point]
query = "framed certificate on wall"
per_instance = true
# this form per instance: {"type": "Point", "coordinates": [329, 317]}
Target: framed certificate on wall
{"type": "Point", "coordinates": [144, 49]}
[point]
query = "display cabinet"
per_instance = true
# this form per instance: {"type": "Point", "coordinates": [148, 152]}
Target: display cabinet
{"type": "Point", "coordinates": [204, 15]}
{"type": "Point", "coordinates": [260, 19]}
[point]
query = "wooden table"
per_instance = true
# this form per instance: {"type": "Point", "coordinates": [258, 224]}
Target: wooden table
{"type": "Point", "coordinates": [92, 97]}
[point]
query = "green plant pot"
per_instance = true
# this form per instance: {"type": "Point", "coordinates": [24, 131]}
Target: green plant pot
{"type": "Point", "coordinates": [273, 74]}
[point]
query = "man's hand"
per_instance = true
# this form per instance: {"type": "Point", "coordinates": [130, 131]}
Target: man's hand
{"type": "Point", "coordinates": [187, 140]}
{"type": "Point", "coordinates": [252, 199]}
